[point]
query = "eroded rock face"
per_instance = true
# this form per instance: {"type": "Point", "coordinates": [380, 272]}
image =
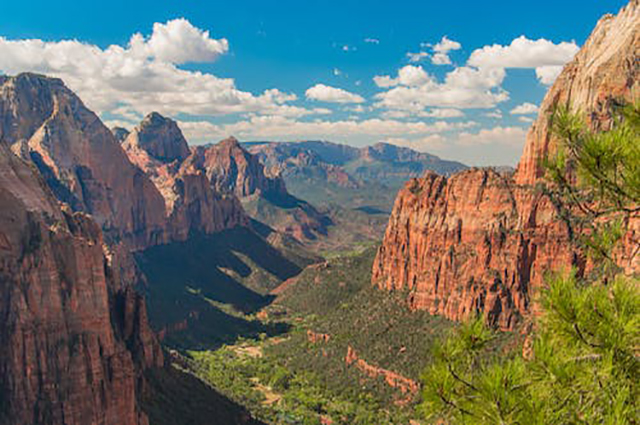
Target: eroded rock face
{"type": "Point", "coordinates": [234, 172]}
{"type": "Point", "coordinates": [70, 353]}
{"type": "Point", "coordinates": [193, 204]}
{"type": "Point", "coordinates": [473, 242]}
{"type": "Point", "coordinates": [603, 73]}
{"type": "Point", "coordinates": [232, 169]}
{"type": "Point", "coordinates": [482, 241]}
{"type": "Point", "coordinates": [160, 138]}
{"type": "Point", "coordinates": [79, 157]}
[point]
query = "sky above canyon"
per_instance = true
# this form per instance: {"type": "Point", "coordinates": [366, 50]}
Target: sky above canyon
{"type": "Point", "coordinates": [460, 79]}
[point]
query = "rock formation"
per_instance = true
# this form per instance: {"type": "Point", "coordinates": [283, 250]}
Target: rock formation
{"type": "Point", "coordinates": [481, 240]}
{"type": "Point", "coordinates": [73, 342]}
{"type": "Point", "coordinates": [79, 157]}
{"type": "Point", "coordinates": [158, 147]}
{"type": "Point", "coordinates": [231, 168]}
{"type": "Point", "coordinates": [120, 133]}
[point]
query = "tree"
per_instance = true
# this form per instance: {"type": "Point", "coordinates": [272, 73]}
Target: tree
{"type": "Point", "coordinates": [584, 367]}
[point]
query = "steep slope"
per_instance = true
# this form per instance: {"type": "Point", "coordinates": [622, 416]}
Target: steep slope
{"type": "Point", "coordinates": [73, 342]}
{"type": "Point", "coordinates": [158, 147]}
{"type": "Point", "coordinates": [233, 170]}
{"type": "Point", "coordinates": [79, 157]}
{"type": "Point", "coordinates": [482, 241]}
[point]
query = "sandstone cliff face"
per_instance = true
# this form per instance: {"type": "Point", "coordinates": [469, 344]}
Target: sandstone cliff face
{"type": "Point", "coordinates": [158, 147]}
{"type": "Point", "coordinates": [232, 169]}
{"type": "Point", "coordinates": [602, 74]}
{"type": "Point", "coordinates": [79, 157]}
{"type": "Point", "coordinates": [72, 342]}
{"type": "Point", "coordinates": [481, 241]}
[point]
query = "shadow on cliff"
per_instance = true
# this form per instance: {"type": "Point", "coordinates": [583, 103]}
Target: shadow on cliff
{"type": "Point", "coordinates": [201, 292]}
{"type": "Point", "coordinates": [172, 397]}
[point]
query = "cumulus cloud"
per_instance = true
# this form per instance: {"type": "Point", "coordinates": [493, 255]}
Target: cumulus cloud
{"type": "Point", "coordinates": [463, 88]}
{"type": "Point", "coordinates": [441, 51]}
{"type": "Point", "coordinates": [525, 109]}
{"type": "Point", "coordinates": [548, 74]}
{"type": "Point", "coordinates": [409, 75]}
{"type": "Point", "coordinates": [179, 42]}
{"type": "Point", "coordinates": [546, 57]}
{"type": "Point", "coordinates": [507, 136]}
{"type": "Point", "coordinates": [144, 75]}
{"type": "Point", "coordinates": [332, 94]}
{"type": "Point", "coordinates": [525, 119]}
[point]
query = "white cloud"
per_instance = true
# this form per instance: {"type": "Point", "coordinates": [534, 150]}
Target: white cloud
{"type": "Point", "coordinates": [332, 94]}
{"type": "Point", "coordinates": [526, 119]}
{"type": "Point", "coordinates": [372, 40]}
{"type": "Point", "coordinates": [542, 55]}
{"type": "Point", "coordinates": [278, 127]}
{"type": "Point", "coordinates": [506, 136]}
{"type": "Point", "coordinates": [496, 113]}
{"type": "Point", "coordinates": [444, 113]}
{"type": "Point", "coordinates": [336, 72]}
{"type": "Point", "coordinates": [144, 75]}
{"type": "Point", "coordinates": [525, 109]}
{"type": "Point", "coordinates": [417, 57]}
{"type": "Point", "coordinates": [446, 45]}
{"type": "Point", "coordinates": [463, 88]}
{"type": "Point", "coordinates": [409, 75]}
{"type": "Point", "coordinates": [440, 59]}
{"type": "Point", "coordinates": [548, 74]}
{"type": "Point", "coordinates": [179, 42]}
{"type": "Point", "coordinates": [441, 51]}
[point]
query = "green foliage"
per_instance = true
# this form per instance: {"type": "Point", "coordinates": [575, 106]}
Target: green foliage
{"type": "Point", "coordinates": [582, 366]}
{"type": "Point", "coordinates": [606, 187]}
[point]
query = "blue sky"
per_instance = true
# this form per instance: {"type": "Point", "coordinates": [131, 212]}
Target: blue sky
{"type": "Point", "coordinates": [251, 74]}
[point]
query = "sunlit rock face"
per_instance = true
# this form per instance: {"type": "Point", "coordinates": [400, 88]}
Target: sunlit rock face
{"type": "Point", "coordinates": [79, 157]}
{"type": "Point", "coordinates": [482, 241]}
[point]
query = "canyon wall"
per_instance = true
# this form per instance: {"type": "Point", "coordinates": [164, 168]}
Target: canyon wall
{"type": "Point", "coordinates": [482, 241]}
{"type": "Point", "coordinates": [73, 342]}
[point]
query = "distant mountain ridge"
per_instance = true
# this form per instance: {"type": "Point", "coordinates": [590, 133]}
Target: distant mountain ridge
{"type": "Point", "coordinates": [324, 172]}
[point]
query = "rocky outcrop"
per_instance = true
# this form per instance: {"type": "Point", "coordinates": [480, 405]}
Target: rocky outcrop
{"type": "Point", "coordinates": [232, 169]}
{"type": "Point", "coordinates": [603, 74]}
{"type": "Point", "coordinates": [120, 133]}
{"type": "Point", "coordinates": [160, 138]}
{"type": "Point", "coordinates": [193, 204]}
{"type": "Point", "coordinates": [482, 241]}
{"type": "Point", "coordinates": [408, 387]}
{"type": "Point", "coordinates": [73, 342]}
{"type": "Point", "coordinates": [79, 157]}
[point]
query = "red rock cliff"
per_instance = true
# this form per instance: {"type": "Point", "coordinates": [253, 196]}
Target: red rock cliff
{"type": "Point", "coordinates": [73, 345]}
{"type": "Point", "coordinates": [158, 147]}
{"type": "Point", "coordinates": [482, 241]}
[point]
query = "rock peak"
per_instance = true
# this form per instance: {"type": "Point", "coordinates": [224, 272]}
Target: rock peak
{"type": "Point", "coordinates": [230, 142]}
{"type": "Point", "coordinates": [160, 137]}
